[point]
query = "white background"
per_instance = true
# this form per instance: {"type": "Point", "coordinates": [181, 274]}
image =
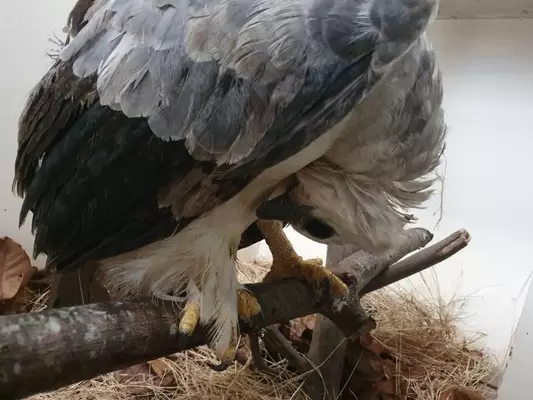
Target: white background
{"type": "Point", "coordinates": [488, 76]}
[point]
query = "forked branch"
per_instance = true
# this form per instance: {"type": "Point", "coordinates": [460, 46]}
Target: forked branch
{"type": "Point", "coordinates": [47, 350]}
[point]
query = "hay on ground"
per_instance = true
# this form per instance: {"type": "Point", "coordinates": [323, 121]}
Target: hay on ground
{"type": "Point", "coordinates": [432, 356]}
{"type": "Point", "coordinates": [431, 360]}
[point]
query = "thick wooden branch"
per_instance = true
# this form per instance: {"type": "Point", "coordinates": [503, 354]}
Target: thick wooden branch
{"type": "Point", "coordinates": [47, 350]}
{"type": "Point", "coordinates": [50, 349]}
{"type": "Point", "coordinates": [327, 350]}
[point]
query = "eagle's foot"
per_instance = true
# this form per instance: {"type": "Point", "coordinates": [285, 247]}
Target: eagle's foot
{"type": "Point", "coordinates": [190, 318]}
{"type": "Point", "coordinates": [247, 305]}
{"type": "Point", "coordinates": [247, 308]}
{"type": "Point", "coordinates": [286, 263]}
{"type": "Point", "coordinates": [225, 356]}
{"type": "Point", "coordinates": [310, 271]}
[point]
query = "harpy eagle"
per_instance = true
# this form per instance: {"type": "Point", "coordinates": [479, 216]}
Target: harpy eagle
{"type": "Point", "coordinates": [165, 125]}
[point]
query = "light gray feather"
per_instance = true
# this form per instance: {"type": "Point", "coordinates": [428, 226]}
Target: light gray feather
{"type": "Point", "coordinates": [368, 179]}
{"type": "Point", "coordinates": [143, 52]}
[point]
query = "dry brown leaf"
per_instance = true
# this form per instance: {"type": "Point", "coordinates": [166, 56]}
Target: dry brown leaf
{"type": "Point", "coordinates": [135, 380]}
{"type": "Point", "coordinates": [382, 390]}
{"type": "Point", "coordinates": [22, 302]}
{"type": "Point", "coordinates": [15, 268]}
{"type": "Point", "coordinates": [386, 387]}
{"type": "Point", "coordinates": [376, 364]}
{"type": "Point", "coordinates": [388, 368]}
{"type": "Point", "coordinates": [163, 371]}
{"type": "Point", "coordinates": [135, 373]}
{"type": "Point", "coordinates": [299, 332]}
{"type": "Point", "coordinates": [300, 325]}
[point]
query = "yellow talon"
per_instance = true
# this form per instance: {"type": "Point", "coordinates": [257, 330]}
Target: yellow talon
{"type": "Point", "coordinates": [311, 271]}
{"type": "Point", "coordinates": [229, 354]}
{"type": "Point", "coordinates": [247, 305]}
{"type": "Point", "coordinates": [287, 264]}
{"type": "Point", "coordinates": [190, 318]}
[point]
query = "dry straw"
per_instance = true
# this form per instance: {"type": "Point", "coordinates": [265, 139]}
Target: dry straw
{"type": "Point", "coordinates": [420, 332]}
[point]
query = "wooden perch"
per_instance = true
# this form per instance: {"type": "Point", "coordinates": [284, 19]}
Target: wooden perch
{"type": "Point", "coordinates": [420, 261]}
{"type": "Point", "coordinates": [328, 347]}
{"type": "Point", "coordinates": [47, 350]}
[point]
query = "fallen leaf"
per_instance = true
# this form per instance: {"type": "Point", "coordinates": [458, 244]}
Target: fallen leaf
{"type": "Point", "coordinates": [388, 368]}
{"type": "Point", "coordinates": [163, 371]}
{"type": "Point", "coordinates": [300, 325]}
{"type": "Point", "coordinates": [377, 367]}
{"type": "Point", "coordinates": [385, 388]}
{"type": "Point", "coordinates": [135, 373]}
{"type": "Point", "coordinates": [299, 332]}
{"type": "Point", "coordinates": [134, 379]}
{"type": "Point", "coordinates": [21, 303]}
{"type": "Point", "coordinates": [382, 390]}
{"type": "Point", "coordinates": [15, 268]}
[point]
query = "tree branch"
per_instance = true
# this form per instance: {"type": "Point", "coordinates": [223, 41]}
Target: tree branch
{"type": "Point", "coordinates": [357, 268]}
{"type": "Point", "coordinates": [327, 350]}
{"type": "Point", "coordinates": [46, 350]}
{"type": "Point", "coordinates": [419, 261]}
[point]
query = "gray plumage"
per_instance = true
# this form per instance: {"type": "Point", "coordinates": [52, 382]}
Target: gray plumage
{"type": "Point", "coordinates": [337, 104]}
{"type": "Point", "coordinates": [366, 181]}
{"type": "Point", "coordinates": [162, 59]}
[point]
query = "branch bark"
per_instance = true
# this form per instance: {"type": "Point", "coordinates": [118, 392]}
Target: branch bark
{"type": "Point", "coordinates": [328, 348]}
{"type": "Point", "coordinates": [419, 261]}
{"type": "Point", "coordinates": [47, 350]}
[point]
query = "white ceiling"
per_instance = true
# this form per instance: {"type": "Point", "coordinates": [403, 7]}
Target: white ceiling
{"type": "Point", "coordinates": [464, 9]}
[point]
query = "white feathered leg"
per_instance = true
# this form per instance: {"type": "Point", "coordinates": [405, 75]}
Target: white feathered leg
{"type": "Point", "coordinates": [217, 300]}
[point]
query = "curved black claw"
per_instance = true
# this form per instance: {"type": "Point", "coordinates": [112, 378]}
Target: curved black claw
{"type": "Point", "coordinates": [224, 365]}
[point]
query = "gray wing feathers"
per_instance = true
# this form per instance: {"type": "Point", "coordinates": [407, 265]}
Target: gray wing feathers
{"type": "Point", "coordinates": [167, 59]}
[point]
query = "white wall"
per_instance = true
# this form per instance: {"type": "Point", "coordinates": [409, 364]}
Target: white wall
{"type": "Point", "coordinates": [463, 9]}
{"type": "Point", "coordinates": [488, 75]}
{"type": "Point", "coordinates": [516, 383]}
{"type": "Point", "coordinates": [488, 71]}
{"type": "Point", "coordinates": [25, 30]}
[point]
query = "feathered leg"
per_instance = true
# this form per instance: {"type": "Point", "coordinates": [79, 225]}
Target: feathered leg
{"type": "Point", "coordinates": [287, 264]}
{"type": "Point", "coordinates": [218, 298]}
{"type": "Point", "coordinates": [247, 308]}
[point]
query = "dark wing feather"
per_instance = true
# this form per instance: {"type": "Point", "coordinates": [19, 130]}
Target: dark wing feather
{"type": "Point", "coordinates": [52, 107]}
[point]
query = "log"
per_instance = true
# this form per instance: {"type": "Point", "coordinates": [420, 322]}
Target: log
{"type": "Point", "coordinates": [47, 350]}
